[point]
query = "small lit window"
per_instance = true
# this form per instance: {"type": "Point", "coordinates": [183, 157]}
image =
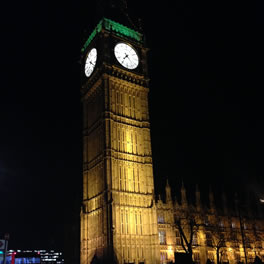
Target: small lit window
{"type": "Point", "coordinates": [196, 257]}
{"type": "Point", "coordinates": [195, 239]}
{"type": "Point", "coordinates": [161, 219]}
{"type": "Point", "coordinates": [178, 238]}
{"type": "Point", "coordinates": [209, 240]}
{"type": "Point", "coordinates": [162, 237]}
{"type": "Point", "coordinates": [221, 224]}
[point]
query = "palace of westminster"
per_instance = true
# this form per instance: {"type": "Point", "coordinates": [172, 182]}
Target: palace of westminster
{"type": "Point", "coordinates": [122, 221]}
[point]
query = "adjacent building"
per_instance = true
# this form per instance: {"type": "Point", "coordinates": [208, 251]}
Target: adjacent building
{"type": "Point", "coordinates": [230, 231]}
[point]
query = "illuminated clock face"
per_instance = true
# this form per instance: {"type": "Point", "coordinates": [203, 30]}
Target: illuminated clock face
{"type": "Point", "coordinates": [90, 62]}
{"type": "Point", "coordinates": [126, 56]}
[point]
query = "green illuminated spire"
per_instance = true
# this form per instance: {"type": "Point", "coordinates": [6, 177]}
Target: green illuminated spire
{"type": "Point", "coordinates": [116, 10]}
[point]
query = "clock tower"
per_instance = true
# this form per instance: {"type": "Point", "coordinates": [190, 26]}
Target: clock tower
{"type": "Point", "coordinates": [118, 215]}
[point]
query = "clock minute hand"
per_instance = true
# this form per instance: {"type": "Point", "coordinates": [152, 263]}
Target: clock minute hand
{"type": "Point", "coordinates": [125, 58]}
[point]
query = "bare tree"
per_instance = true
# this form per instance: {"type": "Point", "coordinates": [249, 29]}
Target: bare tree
{"type": "Point", "coordinates": [216, 238]}
{"type": "Point", "coordinates": [187, 227]}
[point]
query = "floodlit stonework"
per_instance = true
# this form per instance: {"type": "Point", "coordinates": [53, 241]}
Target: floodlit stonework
{"type": "Point", "coordinates": [229, 232]}
{"type": "Point", "coordinates": [121, 220]}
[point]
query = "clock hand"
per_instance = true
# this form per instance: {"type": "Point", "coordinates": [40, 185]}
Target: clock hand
{"type": "Point", "coordinates": [125, 58]}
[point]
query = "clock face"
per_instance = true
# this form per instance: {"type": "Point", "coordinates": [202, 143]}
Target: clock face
{"type": "Point", "coordinates": [90, 62]}
{"type": "Point", "coordinates": [126, 56]}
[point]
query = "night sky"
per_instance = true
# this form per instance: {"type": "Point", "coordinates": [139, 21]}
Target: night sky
{"type": "Point", "coordinates": [206, 105]}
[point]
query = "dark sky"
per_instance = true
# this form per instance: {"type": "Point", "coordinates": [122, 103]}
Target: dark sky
{"type": "Point", "coordinates": [206, 104]}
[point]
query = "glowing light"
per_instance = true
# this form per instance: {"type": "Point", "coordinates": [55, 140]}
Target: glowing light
{"type": "Point", "coordinates": [170, 250]}
{"type": "Point", "coordinates": [261, 200]}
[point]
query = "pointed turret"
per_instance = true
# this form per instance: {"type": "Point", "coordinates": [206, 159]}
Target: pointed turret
{"type": "Point", "coordinates": [116, 10]}
{"type": "Point", "coordinates": [211, 199]}
{"type": "Point", "coordinates": [168, 192]}
{"type": "Point", "coordinates": [198, 198]}
{"type": "Point", "coordinates": [184, 201]}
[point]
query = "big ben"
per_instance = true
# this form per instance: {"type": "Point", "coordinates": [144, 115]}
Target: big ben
{"type": "Point", "coordinates": [118, 216]}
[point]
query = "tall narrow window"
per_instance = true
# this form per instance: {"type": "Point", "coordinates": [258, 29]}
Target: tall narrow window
{"type": "Point", "coordinates": [126, 222]}
{"type": "Point", "coordinates": [162, 237]}
{"type": "Point", "coordinates": [134, 107]}
{"type": "Point", "coordinates": [120, 179]}
{"type": "Point", "coordinates": [209, 239]}
{"type": "Point", "coordinates": [122, 104]}
{"type": "Point", "coordinates": [178, 238]}
{"type": "Point", "coordinates": [136, 147]}
{"type": "Point", "coordinates": [123, 140]}
{"type": "Point", "coordinates": [131, 135]}
{"type": "Point", "coordinates": [138, 180]}
{"type": "Point", "coordinates": [134, 182]}
{"type": "Point", "coordinates": [140, 223]}
{"type": "Point", "coordinates": [136, 223]}
{"type": "Point", "coordinates": [125, 179]}
{"type": "Point", "coordinates": [119, 139]}
{"type": "Point", "coordinates": [195, 239]}
{"type": "Point", "coordinates": [118, 102]}
{"type": "Point", "coordinates": [129, 100]}
{"type": "Point", "coordinates": [161, 218]}
{"type": "Point", "coordinates": [196, 257]}
{"type": "Point", "coordinates": [122, 222]}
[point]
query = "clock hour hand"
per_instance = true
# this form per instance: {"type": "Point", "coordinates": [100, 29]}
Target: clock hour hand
{"type": "Point", "coordinates": [125, 58]}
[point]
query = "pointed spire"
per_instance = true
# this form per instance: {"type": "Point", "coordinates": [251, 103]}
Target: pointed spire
{"type": "Point", "coordinates": [116, 10]}
{"type": "Point", "coordinates": [198, 198]}
{"type": "Point", "coordinates": [183, 196]}
{"type": "Point", "coordinates": [211, 199]}
{"type": "Point", "coordinates": [168, 192]}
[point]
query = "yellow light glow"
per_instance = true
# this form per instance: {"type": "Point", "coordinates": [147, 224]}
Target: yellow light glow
{"type": "Point", "coordinates": [170, 251]}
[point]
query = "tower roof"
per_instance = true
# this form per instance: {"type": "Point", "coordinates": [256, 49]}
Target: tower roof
{"type": "Point", "coordinates": [119, 29]}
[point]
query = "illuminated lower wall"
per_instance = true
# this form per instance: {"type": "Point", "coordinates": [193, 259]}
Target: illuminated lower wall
{"type": "Point", "coordinates": [208, 235]}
